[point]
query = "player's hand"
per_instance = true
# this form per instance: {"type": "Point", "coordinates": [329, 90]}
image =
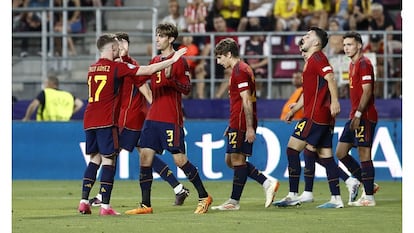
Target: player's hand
{"type": "Point", "coordinates": [179, 53]}
{"type": "Point", "coordinates": [226, 132]}
{"type": "Point", "coordinates": [335, 108]}
{"type": "Point", "coordinates": [355, 123]}
{"type": "Point", "coordinates": [123, 47]}
{"type": "Point", "coordinates": [250, 135]}
{"type": "Point", "coordinates": [288, 117]}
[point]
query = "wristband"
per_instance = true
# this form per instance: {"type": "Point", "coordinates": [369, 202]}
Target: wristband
{"type": "Point", "coordinates": [358, 114]}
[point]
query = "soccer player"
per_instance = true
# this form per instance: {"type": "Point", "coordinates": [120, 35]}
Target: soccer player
{"type": "Point", "coordinates": [314, 132]}
{"type": "Point", "coordinates": [163, 127]}
{"type": "Point", "coordinates": [135, 96]}
{"type": "Point", "coordinates": [360, 128]}
{"type": "Point", "coordinates": [101, 117]}
{"type": "Point", "coordinates": [241, 131]}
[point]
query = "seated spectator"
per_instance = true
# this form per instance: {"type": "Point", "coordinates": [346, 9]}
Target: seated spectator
{"type": "Point", "coordinates": [75, 25]}
{"type": "Point", "coordinates": [256, 46]}
{"type": "Point", "coordinates": [195, 14]}
{"type": "Point", "coordinates": [202, 70]}
{"type": "Point", "coordinates": [314, 14]}
{"type": "Point", "coordinates": [259, 13]}
{"type": "Point", "coordinates": [341, 11]}
{"type": "Point", "coordinates": [192, 50]}
{"type": "Point", "coordinates": [25, 22]}
{"type": "Point", "coordinates": [174, 17]}
{"type": "Point", "coordinates": [286, 15]}
{"type": "Point", "coordinates": [231, 10]}
{"type": "Point", "coordinates": [335, 44]}
{"type": "Point", "coordinates": [361, 16]}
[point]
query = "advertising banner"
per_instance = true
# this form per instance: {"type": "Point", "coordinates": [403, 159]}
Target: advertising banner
{"type": "Point", "coordinates": [56, 151]}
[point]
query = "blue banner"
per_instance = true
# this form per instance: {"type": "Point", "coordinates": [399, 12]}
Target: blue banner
{"type": "Point", "coordinates": [50, 150]}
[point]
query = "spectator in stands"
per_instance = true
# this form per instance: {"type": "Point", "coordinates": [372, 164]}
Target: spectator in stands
{"type": "Point", "coordinates": [89, 17]}
{"type": "Point", "coordinates": [202, 70]}
{"type": "Point", "coordinates": [286, 15]}
{"type": "Point", "coordinates": [259, 14]}
{"type": "Point", "coordinates": [25, 22]}
{"type": "Point", "coordinates": [294, 98]}
{"type": "Point", "coordinates": [231, 11]}
{"type": "Point", "coordinates": [192, 50]}
{"type": "Point", "coordinates": [341, 9]}
{"type": "Point", "coordinates": [53, 104]}
{"type": "Point", "coordinates": [314, 14]}
{"type": "Point", "coordinates": [175, 18]}
{"type": "Point", "coordinates": [335, 44]}
{"type": "Point", "coordinates": [75, 25]}
{"type": "Point", "coordinates": [195, 14]}
{"type": "Point", "coordinates": [256, 46]}
{"type": "Point", "coordinates": [360, 16]}
{"type": "Point", "coordinates": [381, 21]}
{"type": "Point", "coordinates": [213, 10]}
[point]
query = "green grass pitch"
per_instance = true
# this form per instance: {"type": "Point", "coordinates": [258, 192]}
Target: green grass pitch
{"type": "Point", "coordinates": [51, 206]}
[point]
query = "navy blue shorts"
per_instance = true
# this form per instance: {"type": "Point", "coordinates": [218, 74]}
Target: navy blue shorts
{"type": "Point", "coordinates": [319, 136]}
{"type": "Point", "coordinates": [161, 136]}
{"type": "Point", "coordinates": [128, 139]}
{"type": "Point", "coordinates": [236, 142]}
{"type": "Point", "coordinates": [363, 136]}
{"type": "Point", "coordinates": [102, 140]}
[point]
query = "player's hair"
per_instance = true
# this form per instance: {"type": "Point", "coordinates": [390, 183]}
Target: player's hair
{"type": "Point", "coordinates": [227, 45]}
{"type": "Point", "coordinates": [167, 29]}
{"type": "Point", "coordinates": [122, 36]}
{"type": "Point", "coordinates": [104, 40]}
{"type": "Point", "coordinates": [53, 80]}
{"type": "Point", "coordinates": [321, 34]}
{"type": "Point", "coordinates": [354, 35]}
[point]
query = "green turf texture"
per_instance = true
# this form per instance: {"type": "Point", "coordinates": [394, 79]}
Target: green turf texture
{"type": "Point", "coordinates": [51, 206]}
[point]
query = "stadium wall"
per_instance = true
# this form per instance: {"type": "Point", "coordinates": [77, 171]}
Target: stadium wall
{"type": "Point", "coordinates": [219, 109]}
{"type": "Point", "coordinates": [55, 151]}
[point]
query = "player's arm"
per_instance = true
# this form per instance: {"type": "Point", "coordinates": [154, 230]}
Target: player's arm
{"type": "Point", "coordinates": [30, 109]}
{"type": "Point", "coordinates": [150, 69]}
{"type": "Point", "coordinates": [363, 103]}
{"type": "Point", "coordinates": [248, 112]}
{"type": "Point", "coordinates": [333, 89]}
{"type": "Point", "coordinates": [146, 92]}
{"type": "Point", "coordinates": [294, 107]}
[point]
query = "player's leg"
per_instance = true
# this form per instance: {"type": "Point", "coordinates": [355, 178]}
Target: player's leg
{"type": "Point", "coordinates": [294, 147]}
{"type": "Point", "coordinates": [240, 171]}
{"type": "Point", "coordinates": [89, 178]}
{"type": "Point", "coordinates": [332, 173]}
{"type": "Point", "coordinates": [160, 167]}
{"type": "Point", "coordinates": [193, 176]}
{"type": "Point", "coordinates": [107, 182]}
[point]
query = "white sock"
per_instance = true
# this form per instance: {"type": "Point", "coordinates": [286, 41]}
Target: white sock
{"type": "Point", "coordinates": [99, 196]}
{"type": "Point", "coordinates": [178, 188]}
{"type": "Point", "coordinates": [105, 206]}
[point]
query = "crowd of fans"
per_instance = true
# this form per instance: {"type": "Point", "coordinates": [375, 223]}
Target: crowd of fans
{"type": "Point", "coordinates": [203, 16]}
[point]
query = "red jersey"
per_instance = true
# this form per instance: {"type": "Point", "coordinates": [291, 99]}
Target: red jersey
{"type": "Point", "coordinates": [242, 78]}
{"type": "Point", "coordinates": [167, 92]}
{"type": "Point", "coordinates": [360, 73]}
{"type": "Point", "coordinates": [316, 95]}
{"type": "Point", "coordinates": [104, 80]}
{"type": "Point", "coordinates": [134, 106]}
